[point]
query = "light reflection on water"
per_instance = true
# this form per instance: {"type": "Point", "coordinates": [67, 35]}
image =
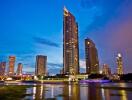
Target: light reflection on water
{"type": "Point", "coordinates": [91, 91]}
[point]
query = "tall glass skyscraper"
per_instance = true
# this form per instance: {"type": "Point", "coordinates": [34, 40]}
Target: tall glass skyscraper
{"type": "Point", "coordinates": [91, 55]}
{"type": "Point", "coordinates": [70, 43]}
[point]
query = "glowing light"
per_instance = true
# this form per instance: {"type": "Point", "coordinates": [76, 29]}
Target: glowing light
{"type": "Point", "coordinates": [119, 55]}
{"type": "Point", "coordinates": [100, 71]}
{"type": "Point", "coordinates": [88, 43]}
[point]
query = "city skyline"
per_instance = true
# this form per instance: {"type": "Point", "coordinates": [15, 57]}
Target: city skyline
{"type": "Point", "coordinates": [26, 31]}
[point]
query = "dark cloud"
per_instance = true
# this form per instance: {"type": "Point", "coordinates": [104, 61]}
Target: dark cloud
{"type": "Point", "coordinates": [47, 42]}
{"type": "Point", "coordinates": [55, 65]}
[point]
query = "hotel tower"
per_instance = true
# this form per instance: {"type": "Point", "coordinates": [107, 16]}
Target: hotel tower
{"type": "Point", "coordinates": [70, 43]}
{"type": "Point", "coordinates": [91, 55]}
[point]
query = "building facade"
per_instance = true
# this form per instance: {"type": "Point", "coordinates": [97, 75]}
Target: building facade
{"type": "Point", "coordinates": [106, 70]}
{"type": "Point", "coordinates": [41, 63]}
{"type": "Point", "coordinates": [11, 65]}
{"type": "Point", "coordinates": [70, 43]}
{"type": "Point", "coordinates": [19, 69]}
{"type": "Point", "coordinates": [2, 68]}
{"type": "Point", "coordinates": [91, 55]}
{"type": "Point", "coordinates": [119, 64]}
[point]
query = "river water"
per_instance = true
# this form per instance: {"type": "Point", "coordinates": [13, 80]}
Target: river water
{"type": "Point", "coordinates": [80, 91]}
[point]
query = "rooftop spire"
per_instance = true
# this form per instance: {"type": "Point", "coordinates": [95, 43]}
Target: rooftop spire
{"type": "Point", "coordinates": [65, 10]}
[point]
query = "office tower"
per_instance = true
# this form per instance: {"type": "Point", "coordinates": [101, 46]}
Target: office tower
{"type": "Point", "coordinates": [19, 69]}
{"type": "Point", "coordinates": [91, 55]}
{"type": "Point", "coordinates": [106, 70]}
{"type": "Point", "coordinates": [2, 68]}
{"type": "Point", "coordinates": [41, 62]}
{"type": "Point", "coordinates": [11, 65]}
{"type": "Point", "coordinates": [70, 43]}
{"type": "Point", "coordinates": [119, 64]}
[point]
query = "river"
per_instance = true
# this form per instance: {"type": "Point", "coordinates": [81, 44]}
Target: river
{"type": "Point", "coordinates": [80, 91]}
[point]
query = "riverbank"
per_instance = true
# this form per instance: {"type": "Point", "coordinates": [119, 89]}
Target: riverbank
{"type": "Point", "coordinates": [13, 92]}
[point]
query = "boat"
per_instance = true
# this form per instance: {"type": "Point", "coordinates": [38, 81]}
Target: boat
{"type": "Point", "coordinates": [95, 81]}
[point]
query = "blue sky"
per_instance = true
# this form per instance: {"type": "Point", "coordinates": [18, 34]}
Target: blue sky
{"type": "Point", "coordinates": [32, 27]}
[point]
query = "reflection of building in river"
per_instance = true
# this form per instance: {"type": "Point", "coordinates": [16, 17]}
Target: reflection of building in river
{"type": "Point", "coordinates": [71, 92]}
{"type": "Point", "coordinates": [66, 92]}
{"type": "Point", "coordinates": [123, 92]}
{"type": "Point", "coordinates": [52, 91]}
{"type": "Point", "coordinates": [105, 94]}
{"type": "Point", "coordinates": [94, 93]}
{"type": "Point", "coordinates": [75, 92]}
{"type": "Point", "coordinates": [39, 92]}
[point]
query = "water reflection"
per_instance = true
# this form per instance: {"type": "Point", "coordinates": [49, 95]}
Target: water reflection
{"type": "Point", "coordinates": [94, 93]}
{"type": "Point", "coordinates": [76, 92]}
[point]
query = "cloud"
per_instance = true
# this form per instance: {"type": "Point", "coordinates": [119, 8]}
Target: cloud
{"type": "Point", "coordinates": [55, 65]}
{"type": "Point", "coordinates": [82, 64]}
{"type": "Point", "coordinates": [47, 42]}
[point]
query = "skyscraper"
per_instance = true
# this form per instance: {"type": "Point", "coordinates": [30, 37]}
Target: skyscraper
{"type": "Point", "coordinates": [70, 43]}
{"type": "Point", "coordinates": [106, 70]}
{"type": "Point", "coordinates": [19, 69]}
{"type": "Point", "coordinates": [11, 65]}
{"type": "Point", "coordinates": [41, 62]}
{"type": "Point", "coordinates": [119, 64]}
{"type": "Point", "coordinates": [91, 55]}
{"type": "Point", "coordinates": [2, 68]}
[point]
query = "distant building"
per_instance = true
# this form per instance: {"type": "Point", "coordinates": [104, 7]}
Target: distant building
{"type": "Point", "coordinates": [2, 68]}
{"type": "Point", "coordinates": [70, 43]}
{"type": "Point", "coordinates": [119, 64]}
{"type": "Point", "coordinates": [91, 55]}
{"type": "Point", "coordinates": [41, 63]}
{"type": "Point", "coordinates": [106, 70]}
{"type": "Point", "coordinates": [11, 65]}
{"type": "Point", "coordinates": [19, 69]}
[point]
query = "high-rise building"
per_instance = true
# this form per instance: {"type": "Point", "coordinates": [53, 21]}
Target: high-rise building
{"type": "Point", "coordinates": [2, 68]}
{"type": "Point", "coordinates": [106, 70]}
{"type": "Point", "coordinates": [119, 64]}
{"type": "Point", "coordinates": [11, 65]}
{"type": "Point", "coordinates": [70, 43]}
{"type": "Point", "coordinates": [91, 55]}
{"type": "Point", "coordinates": [19, 69]}
{"type": "Point", "coordinates": [41, 63]}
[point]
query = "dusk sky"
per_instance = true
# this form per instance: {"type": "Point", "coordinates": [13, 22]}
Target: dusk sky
{"type": "Point", "coordinates": [32, 27]}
